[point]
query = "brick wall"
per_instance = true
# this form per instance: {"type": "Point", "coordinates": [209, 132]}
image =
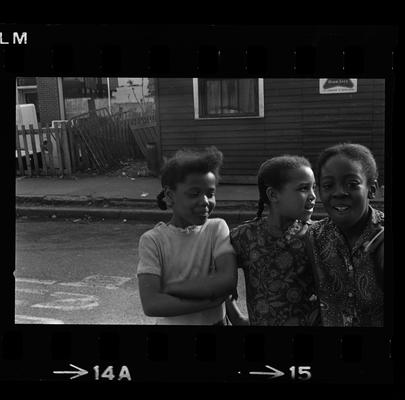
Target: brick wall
{"type": "Point", "coordinates": [48, 100]}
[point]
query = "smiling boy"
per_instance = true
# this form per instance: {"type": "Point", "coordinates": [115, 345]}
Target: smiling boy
{"type": "Point", "coordinates": [348, 271]}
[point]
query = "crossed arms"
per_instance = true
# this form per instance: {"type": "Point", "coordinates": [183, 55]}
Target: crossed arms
{"type": "Point", "coordinates": [190, 296]}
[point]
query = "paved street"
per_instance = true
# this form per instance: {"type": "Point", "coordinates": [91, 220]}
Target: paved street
{"type": "Point", "coordinates": [80, 272]}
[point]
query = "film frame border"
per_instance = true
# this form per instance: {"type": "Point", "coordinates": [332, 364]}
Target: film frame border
{"type": "Point", "coordinates": [186, 353]}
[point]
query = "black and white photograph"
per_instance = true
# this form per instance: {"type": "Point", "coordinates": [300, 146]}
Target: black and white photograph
{"type": "Point", "coordinates": [199, 203]}
{"type": "Point", "coordinates": [190, 201]}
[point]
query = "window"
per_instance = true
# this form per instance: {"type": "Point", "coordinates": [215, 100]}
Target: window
{"type": "Point", "coordinates": [85, 87]}
{"type": "Point", "coordinates": [26, 81]}
{"type": "Point", "coordinates": [228, 98]}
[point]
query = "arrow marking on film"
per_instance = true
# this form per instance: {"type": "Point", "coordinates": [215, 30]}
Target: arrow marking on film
{"type": "Point", "coordinates": [275, 373]}
{"type": "Point", "coordinates": [79, 372]}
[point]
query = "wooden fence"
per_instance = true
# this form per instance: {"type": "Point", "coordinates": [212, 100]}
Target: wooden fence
{"type": "Point", "coordinates": [101, 146]}
{"type": "Point", "coordinates": [42, 151]}
{"type": "Point", "coordinates": [97, 144]}
{"type": "Point", "coordinates": [145, 135]}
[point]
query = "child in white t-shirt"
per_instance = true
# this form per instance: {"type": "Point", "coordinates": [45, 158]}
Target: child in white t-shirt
{"type": "Point", "coordinates": [187, 267]}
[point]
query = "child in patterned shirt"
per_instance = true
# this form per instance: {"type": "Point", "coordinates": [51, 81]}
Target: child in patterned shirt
{"type": "Point", "coordinates": [348, 245]}
{"type": "Point", "coordinates": [271, 250]}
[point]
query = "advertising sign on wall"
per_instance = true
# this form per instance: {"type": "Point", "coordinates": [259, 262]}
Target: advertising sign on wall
{"type": "Point", "coordinates": [340, 85]}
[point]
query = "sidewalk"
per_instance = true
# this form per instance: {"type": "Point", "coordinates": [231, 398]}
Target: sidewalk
{"type": "Point", "coordinates": [119, 198]}
{"type": "Point", "coordinates": [106, 187]}
{"type": "Point", "coordinates": [122, 197]}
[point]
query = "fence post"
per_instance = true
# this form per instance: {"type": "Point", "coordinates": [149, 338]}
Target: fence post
{"type": "Point", "coordinates": [41, 145]}
{"type": "Point", "coordinates": [72, 148]}
{"type": "Point", "coordinates": [66, 150]}
{"type": "Point", "coordinates": [18, 151]}
{"type": "Point", "coordinates": [27, 153]}
{"type": "Point", "coordinates": [59, 149]}
{"type": "Point", "coordinates": [50, 150]}
{"type": "Point", "coordinates": [34, 149]}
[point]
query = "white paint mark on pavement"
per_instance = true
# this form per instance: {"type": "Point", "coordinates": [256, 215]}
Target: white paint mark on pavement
{"type": "Point", "coordinates": [38, 281]}
{"type": "Point", "coordinates": [103, 281]}
{"type": "Point", "coordinates": [32, 291]}
{"type": "Point", "coordinates": [73, 284]}
{"type": "Point", "coordinates": [25, 319]}
{"type": "Point", "coordinates": [70, 302]}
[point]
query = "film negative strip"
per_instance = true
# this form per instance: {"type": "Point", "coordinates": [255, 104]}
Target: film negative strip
{"type": "Point", "coordinates": [42, 346]}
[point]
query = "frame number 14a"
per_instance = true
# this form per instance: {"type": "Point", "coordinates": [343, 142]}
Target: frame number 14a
{"type": "Point", "coordinates": [108, 373]}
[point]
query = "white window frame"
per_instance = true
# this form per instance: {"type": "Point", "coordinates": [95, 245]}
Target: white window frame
{"type": "Point", "coordinates": [260, 87]}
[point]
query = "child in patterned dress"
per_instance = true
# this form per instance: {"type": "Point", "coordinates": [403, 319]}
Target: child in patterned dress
{"type": "Point", "coordinates": [271, 250]}
{"type": "Point", "coordinates": [348, 245]}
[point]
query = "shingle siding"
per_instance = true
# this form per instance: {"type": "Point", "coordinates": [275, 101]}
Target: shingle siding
{"type": "Point", "coordinates": [297, 120]}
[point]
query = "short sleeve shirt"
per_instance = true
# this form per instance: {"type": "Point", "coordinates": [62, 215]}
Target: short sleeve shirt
{"type": "Point", "coordinates": [347, 283]}
{"type": "Point", "coordinates": [279, 281]}
{"type": "Point", "coordinates": [177, 254]}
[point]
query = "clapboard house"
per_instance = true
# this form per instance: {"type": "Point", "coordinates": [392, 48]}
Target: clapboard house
{"type": "Point", "coordinates": [251, 120]}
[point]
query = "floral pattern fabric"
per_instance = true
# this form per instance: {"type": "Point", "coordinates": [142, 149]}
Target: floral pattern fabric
{"type": "Point", "coordinates": [279, 281]}
{"type": "Point", "coordinates": [348, 290]}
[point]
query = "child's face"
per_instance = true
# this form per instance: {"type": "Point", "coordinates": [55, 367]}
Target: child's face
{"type": "Point", "coordinates": [344, 191]}
{"type": "Point", "coordinates": [296, 200]}
{"type": "Point", "coordinates": [193, 200]}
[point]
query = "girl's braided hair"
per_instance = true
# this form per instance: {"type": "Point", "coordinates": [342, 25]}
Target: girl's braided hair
{"type": "Point", "coordinates": [274, 173]}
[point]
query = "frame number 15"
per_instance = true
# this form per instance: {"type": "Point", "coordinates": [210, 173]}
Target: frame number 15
{"type": "Point", "coordinates": [301, 373]}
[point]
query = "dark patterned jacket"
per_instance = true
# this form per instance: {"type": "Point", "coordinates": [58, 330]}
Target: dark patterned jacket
{"type": "Point", "coordinates": [279, 279]}
{"type": "Point", "coordinates": [348, 288]}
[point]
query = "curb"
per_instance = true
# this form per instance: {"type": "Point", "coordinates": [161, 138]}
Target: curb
{"type": "Point", "coordinates": [102, 202]}
{"type": "Point", "coordinates": [232, 211]}
{"type": "Point", "coordinates": [139, 215]}
{"type": "Point", "coordinates": [150, 203]}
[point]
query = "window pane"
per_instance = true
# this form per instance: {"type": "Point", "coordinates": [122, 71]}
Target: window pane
{"type": "Point", "coordinates": [230, 96]}
{"type": "Point", "coordinates": [213, 97]}
{"type": "Point", "coordinates": [26, 81]}
{"type": "Point", "coordinates": [91, 83]}
{"type": "Point", "coordinates": [72, 87]}
{"type": "Point", "coordinates": [247, 95]}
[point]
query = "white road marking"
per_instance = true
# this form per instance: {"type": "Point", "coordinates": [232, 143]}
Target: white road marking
{"type": "Point", "coordinates": [67, 301]}
{"type": "Point", "coordinates": [32, 291]}
{"type": "Point", "coordinates": [73, 284]}
{"type": "Point", "coordinates": [26, 319]}
{"type": "Point", "coordinates": [38, 281]}
{"type": "Point", "coordinates": [103, 281]}
{"type": "Point", "coordinates": [63, 294]}
{"type": "Point", "coordinates": [70, 301]}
